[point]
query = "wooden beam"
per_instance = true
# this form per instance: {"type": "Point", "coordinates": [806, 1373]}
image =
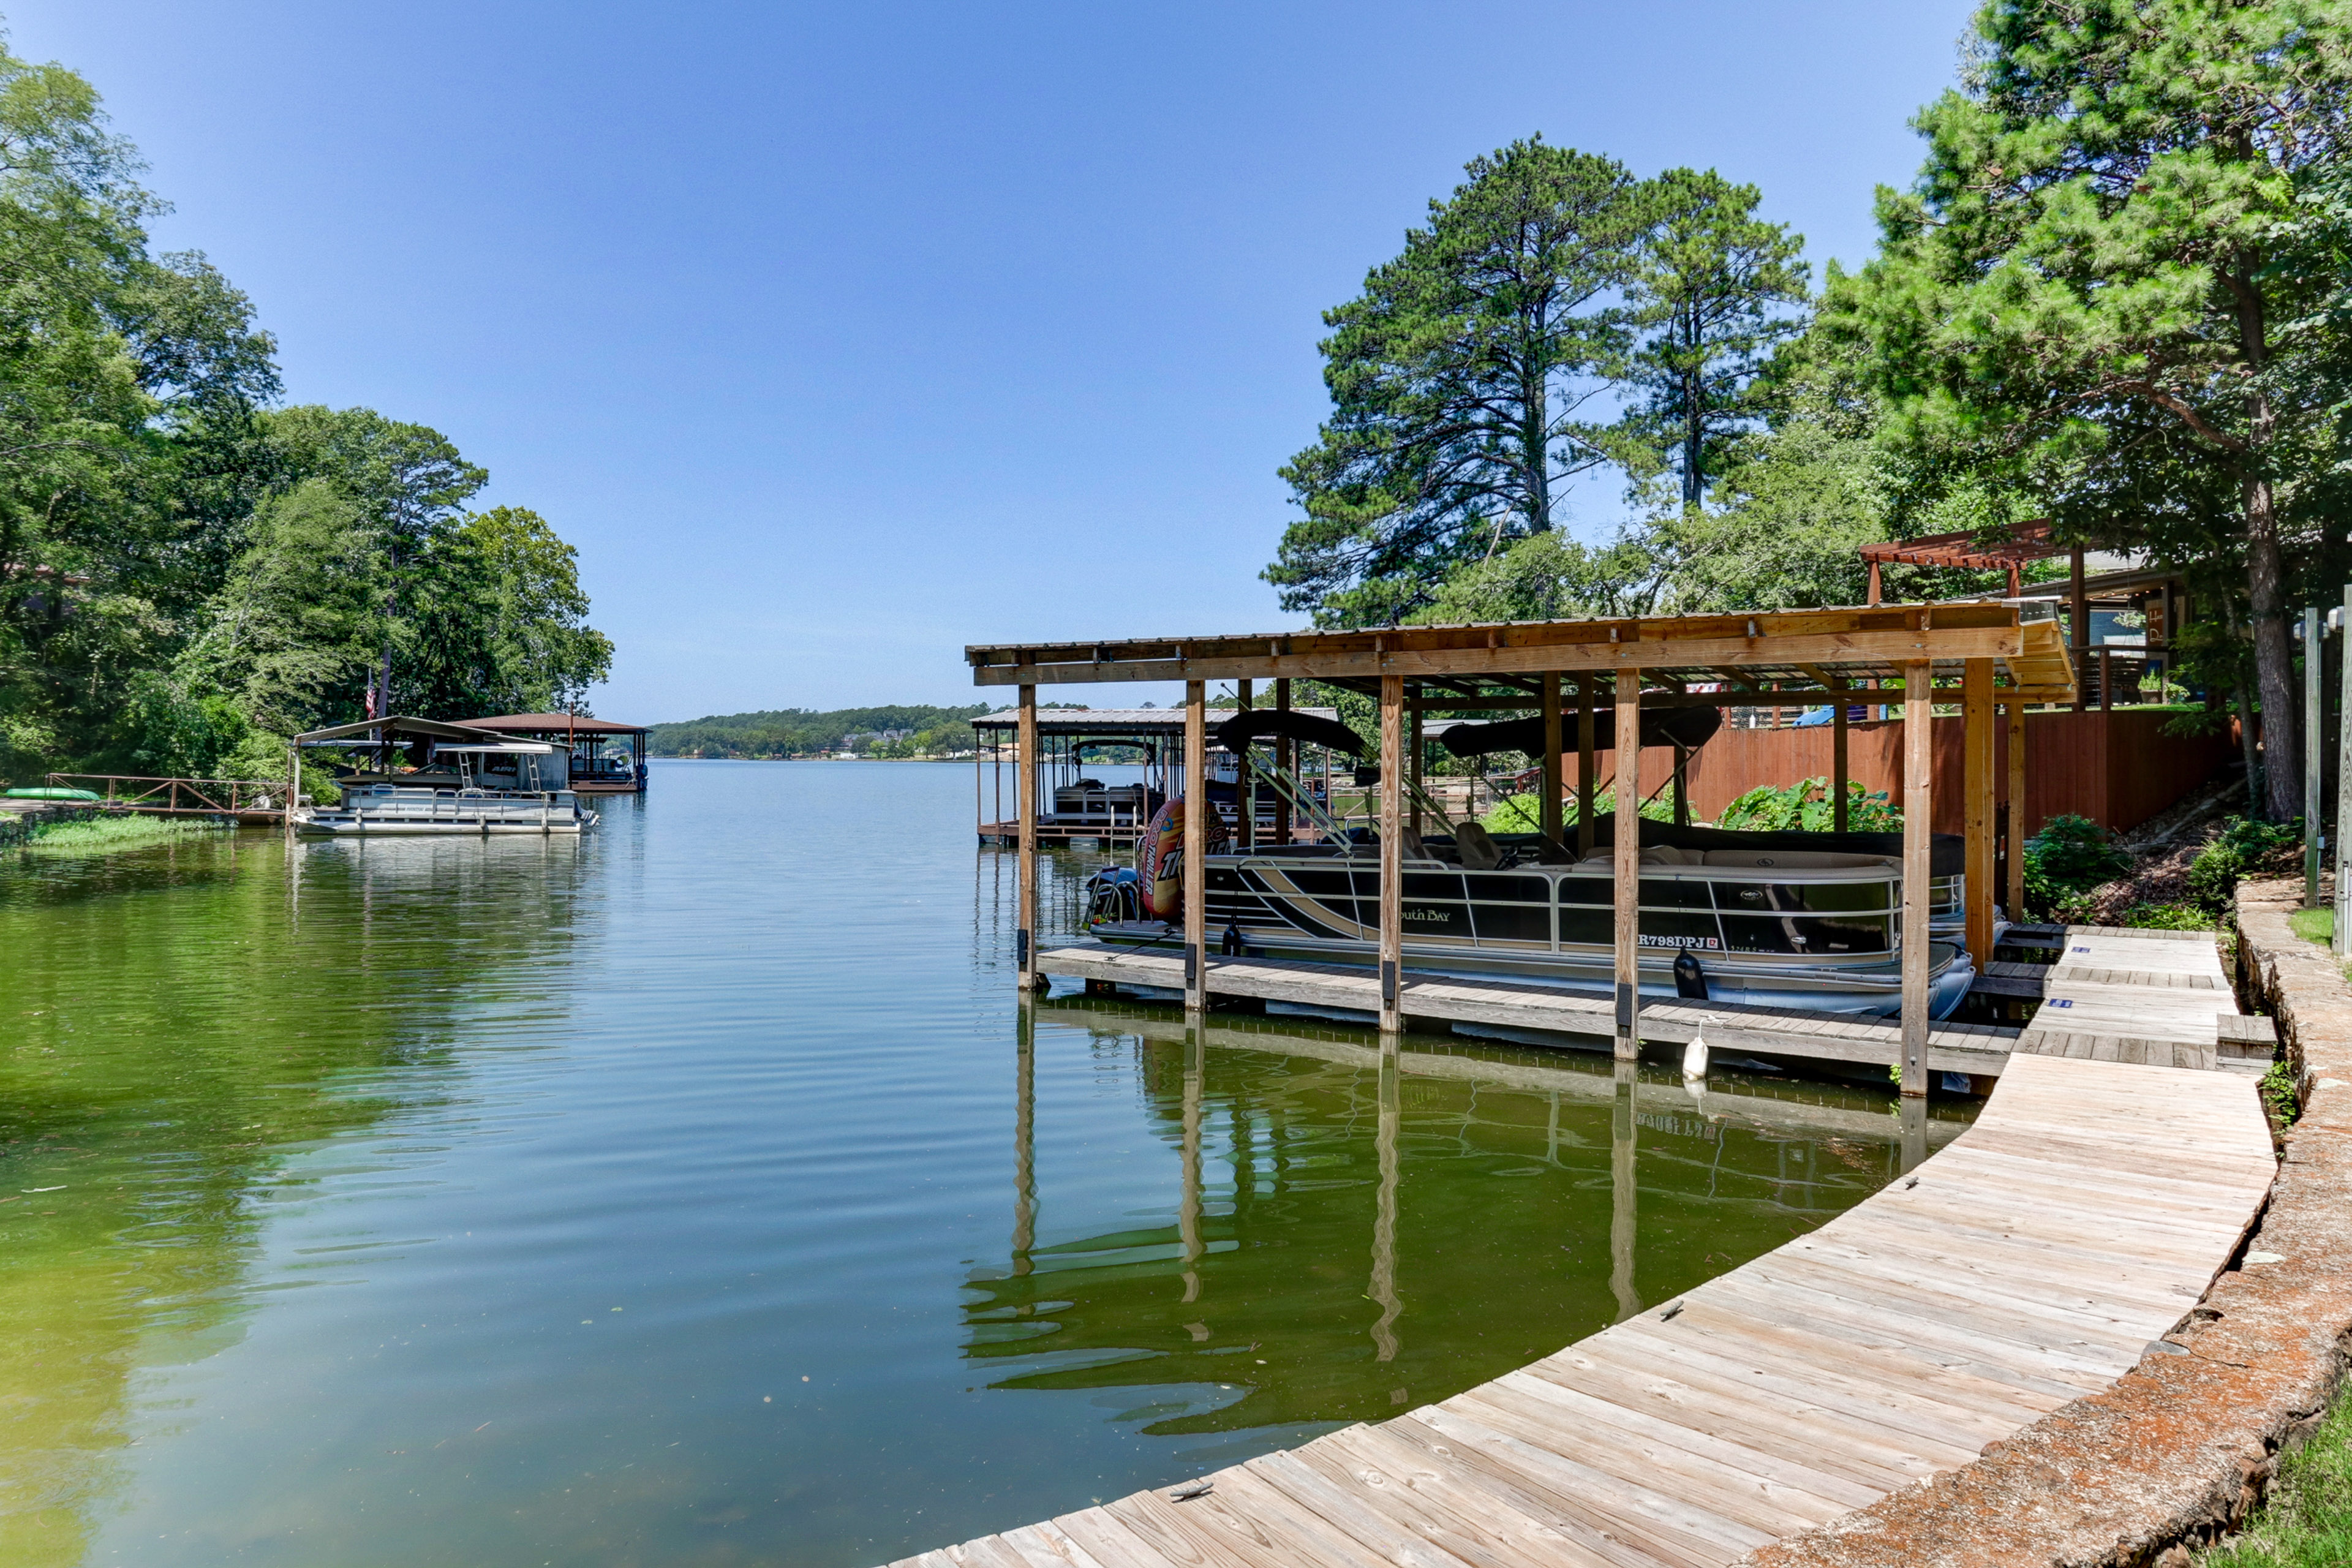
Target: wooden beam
{"type": "Point", "coordinates": [1841, 811]}
{"type": "Point", "coordinates": [1628, 866]}
{"type": "Point", "coordinates": [1391, 915]}
{"type": "Point", "coordinates": [1977, 792]}
{"type": "Point", "coordinates": [1024, 771]}
{"type": "Point", "coordinates": [1197, 811]}
{"type": "Point", "coordinates": [1413, 769]}
{"type": "Point", "coordinates": [1825, 648]}
{"type": "Point", "coordinates": [1286, 761]}
{"type": "Point", "coordinates": [1587, 742]}
{"type": "Point", "coordinates": [1244, 783]}
{"type": "Point", "coordinates": [1919, 807]}
{"type": "Point", "coordinates": [1548, 817]}
{"type": "Point", "coordinates": [2017, 822]}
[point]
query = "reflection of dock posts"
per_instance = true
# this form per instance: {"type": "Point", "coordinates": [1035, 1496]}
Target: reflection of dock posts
{"type": "Point", "coordinates": [1919, 803]}
{"type": "Point", "coordinates": [1977, 786]}
{"type": "Point", "coordinates": [1188, 1205]}
{"type": "Point", "coordinates": [1391, 851]}
{"type": "Point", "coordinates": [1586, 742]}
{"type": "Point", "coordinates": [1384, 1209]}
{"type": "Point", "coordinates": [1024, 767]}
{"type": "Point", "coordinates": [1911, 1150]}
{"type": "Point", "coordinates": [1628, 864]}
{"type": "Point", "coordinates": [1197, 808]}
{"type": "Point", "coordinates": [1547, 819]}
{"type": "Point", "coordinates": [1624, 1192]}
{"type": "Point", "coordinates": [1025, 1136]}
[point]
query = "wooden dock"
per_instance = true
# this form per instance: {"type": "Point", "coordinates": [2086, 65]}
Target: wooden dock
{"type": "Point", "coordinates": [2150, 998]}
{"type": "Point", "coordinates": [2030, 1261]}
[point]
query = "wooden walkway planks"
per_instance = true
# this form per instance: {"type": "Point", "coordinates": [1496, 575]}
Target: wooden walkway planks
{"type": "Point", "coordinates": [2116, 993]}
{"type": "Point", "coordinates": [2030, 1262]}
{"type": "Point", "coordinates": [1979, 1049]}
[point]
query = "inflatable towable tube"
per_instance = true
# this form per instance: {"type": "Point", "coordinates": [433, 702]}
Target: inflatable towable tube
{"type": "Point", "coordinates": [1160, 859]}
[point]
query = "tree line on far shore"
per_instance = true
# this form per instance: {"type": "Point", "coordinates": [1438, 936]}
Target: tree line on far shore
{"type": "Point", "coordinates": [913, 730]}
{"type": "Point", "coordinates": [190, 570]}
{"type": "Point", "coordinates": [2117, 296]}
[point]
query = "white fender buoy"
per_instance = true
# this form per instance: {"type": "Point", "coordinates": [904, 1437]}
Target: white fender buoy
{"type": "Point", "coordinates": [1695, 1058]}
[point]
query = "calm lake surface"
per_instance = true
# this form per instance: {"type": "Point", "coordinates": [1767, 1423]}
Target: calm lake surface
{"type": "Point", "coordinates": [701, 1194]}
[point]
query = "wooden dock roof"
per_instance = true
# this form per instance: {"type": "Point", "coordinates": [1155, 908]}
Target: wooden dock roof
{"type": "Point", "coordinates": [1787, 651]}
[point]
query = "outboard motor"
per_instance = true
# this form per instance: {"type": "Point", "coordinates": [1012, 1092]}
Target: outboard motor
{"type": "Point", "coordinates": [1690, 978]}
{"type": "Point", "coordinates": [1114, 894]}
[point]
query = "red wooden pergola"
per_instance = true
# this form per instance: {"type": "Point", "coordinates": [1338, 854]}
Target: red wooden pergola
{"type": "Point", "coordinates": [2026, 541]}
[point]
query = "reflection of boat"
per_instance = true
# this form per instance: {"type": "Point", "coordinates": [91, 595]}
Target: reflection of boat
{"type": "Point", "coordinates": [1804, 921]}
{"type": "Point", "coordinates": [468, 783]}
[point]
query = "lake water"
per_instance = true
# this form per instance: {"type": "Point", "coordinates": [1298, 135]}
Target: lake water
{"type": "Point", "coordinates": [700, 1193]}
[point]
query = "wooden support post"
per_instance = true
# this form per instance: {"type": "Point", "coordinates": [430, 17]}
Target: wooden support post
{"type": "Point", "coordinates": [1197, 811]}
{"type": "Point", "coordinates": [1024, 767]}
{"type": "Point", "coordinates": [1979, 783]}
{"type": "Point", "coordinates": [1548, 817]}
{"type": "Point", "coordinates": [1919, 807]}
{"type": "Point", "coordinates": [1391, 915]}
{"type": "Point", "coordinates": [2078, 620]}
{"type": "Point", "coordinates": [2017, 822]}
{"type": "Point", "coordinates": [1839, 811]}
{"type": "Point", "coordinates": [1245, 782]}
{"type": "Point", "coordinates": [1413, 772]}
{"type": "Point", "coordinates": [2315, 731]}
{"type": "Point", "coordinates": [1628, 866]}
{"type": "Point", "coordinates": [293, 787]}
{"type": "Point", "coordinates": [2107, 681]}
{"type": "Point", "coordinates": [1585, 742]}
{"type": "Point", "coordinates": [2343, 786]}
{"type": "Point", "coordinates": [1286, 761]}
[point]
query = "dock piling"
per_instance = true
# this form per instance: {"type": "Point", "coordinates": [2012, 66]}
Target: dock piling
{"type": "Point", "coordinates": [1024, 765]}
{"type": "Point", "coordinates": [1978, 785]}
{"type": "Point", "coordinates": [1918, 804]}
{"type": "Point", "coordinates": [1196, 843]}
{"type": "Point", "coordinates": [1627, 864]}
{"type": "Point", "coordinates": [1392, 850]}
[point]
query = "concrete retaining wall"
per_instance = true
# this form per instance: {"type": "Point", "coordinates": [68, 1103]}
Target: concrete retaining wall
{"type": "Point", "coordinates": [2183, 1445]}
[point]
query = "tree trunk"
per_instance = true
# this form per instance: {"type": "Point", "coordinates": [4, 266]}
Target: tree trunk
{"type": "Point", "coordinates": [1535, 419]}
{"type": "Point", "coordinates": [2274, 657]}
{"type": "Point", "coordinates": [2245, 701]}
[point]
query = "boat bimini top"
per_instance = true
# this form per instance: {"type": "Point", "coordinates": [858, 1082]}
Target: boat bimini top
{"type": "Point", "coordinates": [1689, 728]}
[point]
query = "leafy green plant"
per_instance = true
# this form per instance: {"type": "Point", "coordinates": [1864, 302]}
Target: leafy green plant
{"type": "Point", "coordinates": [2168, 917]}
{"type": "Point", "coordinates": [2241, 847]}
{"type": "Point", "coordinates": [1807, 807]}
{"type": "Point", "coordinates": [2071, 856]}
{"type": "Point", "coordinates": [1524, 812]}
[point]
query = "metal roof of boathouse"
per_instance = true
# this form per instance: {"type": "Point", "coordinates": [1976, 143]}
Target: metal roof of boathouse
{"type": "Point", "coordinates": [1785, 650]}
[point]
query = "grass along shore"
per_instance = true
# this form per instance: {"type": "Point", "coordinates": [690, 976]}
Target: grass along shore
{"type": "Point", "coordinates": [107, 835]}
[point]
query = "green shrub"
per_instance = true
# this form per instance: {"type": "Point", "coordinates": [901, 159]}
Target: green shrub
{"type": "Point", "coordinates": [1524, 812]}
{"type": "Point", "coordinates": [1807, 807]}
{"type": "Point", "coordinates": [2071, 856]}
{"type": "Point", "coordinates": [2168, 917]}
{"type": "Point", "coordinates": [2241, 847]}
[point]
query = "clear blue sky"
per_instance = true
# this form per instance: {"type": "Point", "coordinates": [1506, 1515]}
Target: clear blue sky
{"type": "Point", "coordinates": [837, 336]}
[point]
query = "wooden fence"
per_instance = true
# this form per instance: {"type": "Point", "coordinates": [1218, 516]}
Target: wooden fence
{"type": "Point", "coordinates": [2115, 766]}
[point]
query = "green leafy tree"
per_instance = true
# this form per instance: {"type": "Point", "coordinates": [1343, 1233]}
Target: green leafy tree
{"type": "Point", "coordinates": [1714, 289]}
{"type": "Point", "coordinates": [1458, 381]}
{"type": "Point", "coordinates": [2086, 275]}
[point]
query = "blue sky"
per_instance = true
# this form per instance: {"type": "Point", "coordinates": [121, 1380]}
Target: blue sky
{"type": "Point", "coordinates": [838, 337]}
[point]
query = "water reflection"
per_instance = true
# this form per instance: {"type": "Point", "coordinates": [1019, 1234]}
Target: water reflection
{"type": "Point", "coordinates": [1535, 1197]}
{"type": "Point", "coordinates": [155, 1074]}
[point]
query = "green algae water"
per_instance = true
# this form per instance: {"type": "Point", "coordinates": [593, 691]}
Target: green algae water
{"type": "Point", "coordinates": [701, 1194]}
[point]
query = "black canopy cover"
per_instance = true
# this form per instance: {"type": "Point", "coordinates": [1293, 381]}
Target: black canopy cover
{"type": "Point", "coordinates": [1287, 723]}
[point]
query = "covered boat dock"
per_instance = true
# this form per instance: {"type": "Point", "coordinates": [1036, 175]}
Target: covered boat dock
{"type": "Point", "coordinates": [596, 767]}
{"type": "Point", "coordinates": [1990, 659]}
